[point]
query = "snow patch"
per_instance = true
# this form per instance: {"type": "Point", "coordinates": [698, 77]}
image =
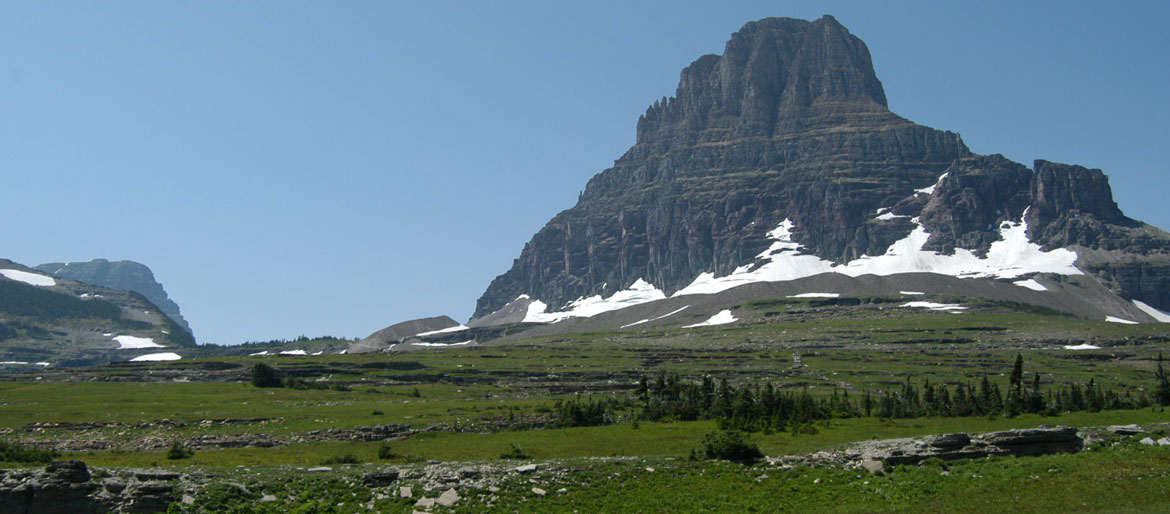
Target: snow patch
{"type": "Point", "coordinates": [890, 216]}
{"type": "Point", "coordinates": [1115, 319]}
{"type": "Point", "coordinates": [639, 292]}
{"type": "Point", "coordinates": [152, 357]}
{"type": "Point", "coordinates": [317, 353]}
{"type": "Point", "coordinates": [1031, 284]}
{"type": "Point", "coordinates": [1161, 316]}
{"type": "Point", "coordinates": [457, 328]}
{"type": "Point", "coordinates": [816, 295]}
{"type": "Point", "coordinates": [32, 279]}
{"type": "Point", "coordinates": [1081, 347]}
{"type": "Point", "coordinates": [42, 364]}
{"type": "Point", "coordinates": [258, 354]}
{"type": "Point", "coordinates": [3, 363]}
{"type": "Point", "coordinates": [1012, 256]}
{"type": "Point", "coordinates": [135, 343]}
{"type": "Point", "coordinates": [294, 352]}
{"type": "Point", "coordinates": [911, 293]}
{"type": "Point", "coordinates": [722, 318]}
{"type": "Point", "coordinates": [934, 306]}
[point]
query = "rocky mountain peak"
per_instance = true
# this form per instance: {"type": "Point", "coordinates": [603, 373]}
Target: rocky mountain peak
{"type": "Point", "coordinates": [124, 275]}
{"type": "Point", "coordinates": [775, 75]}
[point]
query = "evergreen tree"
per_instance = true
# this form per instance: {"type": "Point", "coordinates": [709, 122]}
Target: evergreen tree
{"type": "Point", "coordinates": [1162, 394]}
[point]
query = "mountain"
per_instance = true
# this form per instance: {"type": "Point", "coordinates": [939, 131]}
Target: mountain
{"type": "Point", "coordinates": [125, 275]}
{"type": "Point", "coordinates": [47, 320]}
{"type": "Point", "coordinates": [780, 160]}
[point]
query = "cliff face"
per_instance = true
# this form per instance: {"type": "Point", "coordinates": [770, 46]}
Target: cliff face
{"type": "Point", "coordinates": [791, 122]}
{"type": "Point", "coordinates": [124, 275]}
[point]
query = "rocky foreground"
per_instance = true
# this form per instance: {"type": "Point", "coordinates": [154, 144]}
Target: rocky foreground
{"type": "Point", "coordinates": [69, 486]}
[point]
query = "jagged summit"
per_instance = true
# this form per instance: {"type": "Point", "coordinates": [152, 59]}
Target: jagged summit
{"type": "Point", "coordinates": [786, 139]}
{"type": "Point", "coordinates": [126, 275]}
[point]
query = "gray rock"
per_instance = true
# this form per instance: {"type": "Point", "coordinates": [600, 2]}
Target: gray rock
{"type": "Point", "coordinates": [948, 441]}
{"type": "Point", "coordinates": [267, 498]}
{"type": "Point", "coordinates": [319, 469]}
{"type": "Point", "coordinates": [1148, 441]}
{"type": "Point", "coordinates": [405, 491]}
{"type": "Point", "coordinates": [1165, 441]}
{"type": "Point", "coordinates": [538, 491]}
{"type": "Point", "coordinates": [425, 502]}
{"type": "Point", "coordinates": [874, 466]}
{"type": "Point", "coordinates": [527, 468]}
{"type": "Point", "coordinates": [448, 498]}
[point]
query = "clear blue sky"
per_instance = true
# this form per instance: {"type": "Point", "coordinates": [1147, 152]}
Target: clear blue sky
{"type": "Point", "coordinates": [293, 168]}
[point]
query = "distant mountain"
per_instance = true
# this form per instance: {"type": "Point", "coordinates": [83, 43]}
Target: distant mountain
{"type": "Point", "coordinates": [780, 161]}
{"type": "Point", "coordinates": [46, 320]}
{"type": "Point", "coordinates": [125, 275]}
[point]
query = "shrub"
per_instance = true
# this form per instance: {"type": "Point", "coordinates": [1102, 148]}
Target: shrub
{"type": "Point", "coordinates": [731, 445]}
{"type": "Point", "coordinates": [348, 458]}
{"type": "Point", "coordinates": [264, 375]}
{"type": "Point", "coordinates": [178, 451]}
{"type": "Point", "coordinates": [384, 452]}
{"type": "Point", "coordinates": [16, 452]}
{"type": "Point", "coordinates": [515, 453]}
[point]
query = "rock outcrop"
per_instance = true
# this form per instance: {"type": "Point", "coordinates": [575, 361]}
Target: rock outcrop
{"type": "Point", "coordinates": [792, 123]}
{"type": "Point", "coordinates": [68, 487]}
{"type": "Point", "coordinates": [124, 275]}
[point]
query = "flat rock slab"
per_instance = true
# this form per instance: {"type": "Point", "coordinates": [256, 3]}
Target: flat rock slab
{"type": "Point", "coordinates": [1126, 429]}
{"type": "Point", "coordinates": [405, 491]}
{"type": "Point", "coordinates": [538, 491]}
{"type": "Point", "coordinates": [527, 468]}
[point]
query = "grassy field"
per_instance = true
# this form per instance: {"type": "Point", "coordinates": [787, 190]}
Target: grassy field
{"type": "Point", "coordinates": [470, 404]}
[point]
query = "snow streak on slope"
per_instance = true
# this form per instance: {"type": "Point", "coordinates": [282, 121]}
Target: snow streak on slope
{"type": "Point", "coordinates": [1031, 284]}
{"type": "Point", "coordinates": [722, 318]}
{"type": "Point", "coordinates": [1010, 257]}
{"type": "Point", "coordinates": [1123, 321]}
{"type": "Point", "coordinates": [647, 320]}
{"type": "Point", "coordinates": [456, 328]}
{"type": "Point", "coordinates": [639, 292]}
{"type": "Point", "coordinates": [28, 278]}
{"type": "Point", "coordinates": [1163, 317]}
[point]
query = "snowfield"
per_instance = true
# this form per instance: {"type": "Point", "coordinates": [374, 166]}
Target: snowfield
{"type": "Point", "coordinates": [816, 295]}
{"type": "Point", "coordinates": [444, 344]}
{"type": "Point", "coordinates": [1082, 347]}
{"type": "Point", "coordinates": [136, 343]}
{"type": "Point", "coordinates": [1115, 319]}
{"type": "Point", "coordinates": [294, 352]}
{"type": "Point", "coordinates": [723, 317]}
{"type": "Point", "coordinates": [33, 279]}
{"type": "Point", "coordinates": [152, 357]}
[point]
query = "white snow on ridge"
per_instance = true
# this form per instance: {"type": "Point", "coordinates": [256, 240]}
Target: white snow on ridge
{"type": "Point", "coordinates": [6, 363]}
{"type": "Point", "coordinates": [152, 357]}
{"type": "Point", "coordinates": [136, 343]}
{"type": "Point", "coordinates": [639, 292]}
{"type": "Point", "coordinates": [294, 352]}
{"type": "Point", "coordinates": [1123, 321]}
{"type": "Point", "coordinates": [1031, 284]}
{"type": "Point", "coordinates": [32, 279]}
{"type": "Point", "coordinates": [911, 293]}
{"type": "Point", "coordinates": [457, 328]}
{"type": "Point", "coordinates": [723, 317]}
{"type": "Point", "coordinates": [1161, 316]}
{"type": "Point", "coordinates": [1083, 346]}
{"type": "Point", "coordinates": [258, 354]}
{"type": "Point", "coordinates": [1010, 257]}
{"type": "Point", "coordinates": [816, 295]}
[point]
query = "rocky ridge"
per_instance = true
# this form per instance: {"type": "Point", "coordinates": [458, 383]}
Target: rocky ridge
{"type": "Point", "coordinates": [125, 275]}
